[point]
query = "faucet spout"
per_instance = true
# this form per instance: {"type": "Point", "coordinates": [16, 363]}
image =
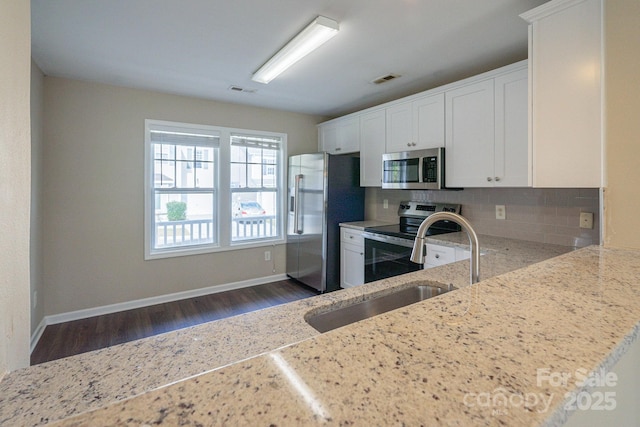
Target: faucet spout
{"type": "Point", "coordinates": [419, 249]}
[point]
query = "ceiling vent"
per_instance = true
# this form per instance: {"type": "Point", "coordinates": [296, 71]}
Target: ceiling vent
{"type": "Point", "coordinates": [385, 78]}
{"type": "Point", "coordinates": [234, 88]}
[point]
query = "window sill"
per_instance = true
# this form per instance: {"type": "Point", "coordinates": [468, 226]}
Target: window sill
{"type": "Point", "coordinates": [173, 253]}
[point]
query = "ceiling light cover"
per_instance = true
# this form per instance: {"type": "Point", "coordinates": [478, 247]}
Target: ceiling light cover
{"type": "Point", "coordinates": [309, 39]}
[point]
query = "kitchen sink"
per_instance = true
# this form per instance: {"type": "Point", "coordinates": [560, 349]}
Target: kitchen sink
{"type": "Point", "coordinates": [342, 316]}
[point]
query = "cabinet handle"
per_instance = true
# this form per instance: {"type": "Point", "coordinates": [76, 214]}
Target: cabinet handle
{"type": "Point", "coordinates": [497, 178]}
{"type": "Point", "coordinates": [489, 179]}
{"type": "Point", "coordinates": [338, 148]}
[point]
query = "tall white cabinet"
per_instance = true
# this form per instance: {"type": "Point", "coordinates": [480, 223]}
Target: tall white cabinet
{"type": "Point", "coordinates": [565, 59]}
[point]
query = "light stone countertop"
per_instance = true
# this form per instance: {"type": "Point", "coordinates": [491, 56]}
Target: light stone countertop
{"type": "Point", "coordinates": [361, 225]}
{"type": "Point", "coordinates": [365, 369]}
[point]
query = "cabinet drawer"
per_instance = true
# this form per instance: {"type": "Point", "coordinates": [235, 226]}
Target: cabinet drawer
{"type": "Point", "coordinates": [352, 236]}
{"type": "Point", "coordinates": [439, 255]}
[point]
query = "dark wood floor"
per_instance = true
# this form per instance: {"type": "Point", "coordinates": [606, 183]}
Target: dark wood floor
{"type": "Point", "coordinates": [79, 336]}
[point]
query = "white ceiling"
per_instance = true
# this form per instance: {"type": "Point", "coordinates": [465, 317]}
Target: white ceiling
{"type": "Point", "coordinates": [202, 47]}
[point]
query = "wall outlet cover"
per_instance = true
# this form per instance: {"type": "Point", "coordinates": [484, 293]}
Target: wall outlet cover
{"type": "Point", "coordinates": [586, 220]}
{"type": "Point", "coordinates": [501, 212]}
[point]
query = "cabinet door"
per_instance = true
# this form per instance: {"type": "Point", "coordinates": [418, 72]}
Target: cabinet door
{"type": "Point", "coordinates": [348, 136]}
{"type": "Point", "coordinates": [428, 121]}
{"type": "Point", "coordinates": [399, 129]}
{"type": "Point", "coordinates": [351, 265]}
{"type": "Point", "coordinates": [340, 136]}
{"type": "Point", "coordinates": [565, 52]}
{"type": "Point", "coordinates": [512, 150]}
{"type": "Point", "coordinates": [469, 138]}
{"type": "Point", "coordinates": [372, 146]}
{"type": "Point", "coordinates": [327, 137]}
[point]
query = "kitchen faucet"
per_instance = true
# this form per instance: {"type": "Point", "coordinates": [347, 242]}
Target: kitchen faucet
{"type": "Point", "coordinates": [419, 250]}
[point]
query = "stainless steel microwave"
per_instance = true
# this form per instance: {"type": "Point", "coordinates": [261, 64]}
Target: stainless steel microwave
{"type": "Point", "coordinates": [414, 170]}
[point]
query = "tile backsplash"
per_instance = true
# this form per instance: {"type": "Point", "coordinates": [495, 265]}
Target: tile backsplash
{"type": "Point", "coordinates": [533, 214]}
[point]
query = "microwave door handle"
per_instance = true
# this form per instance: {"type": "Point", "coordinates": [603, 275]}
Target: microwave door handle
{"type": "Point", "coordinates": [296, 204]}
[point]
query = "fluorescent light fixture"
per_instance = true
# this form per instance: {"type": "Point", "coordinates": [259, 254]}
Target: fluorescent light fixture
{"type": "Point", "coordinates": [308, 40]}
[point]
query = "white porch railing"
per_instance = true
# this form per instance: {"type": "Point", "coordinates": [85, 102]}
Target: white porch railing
{"type": "Point", "coordinates": [253, 227]}
{"type": "Point", "coordinates": [201, 231]}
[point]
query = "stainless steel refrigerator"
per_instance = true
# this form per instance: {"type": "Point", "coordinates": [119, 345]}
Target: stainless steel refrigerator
{"type": "Point", "coordinates": [324, 190]}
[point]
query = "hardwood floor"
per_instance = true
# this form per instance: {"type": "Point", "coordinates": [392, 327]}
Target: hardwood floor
{"type": "Point", "coordinates": [66, 339]}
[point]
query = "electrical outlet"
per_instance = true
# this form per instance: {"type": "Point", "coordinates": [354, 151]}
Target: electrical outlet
{"type": "Point", "coordinates": [586, 220]}
{"type": "Point", "coordinates": [501, 212]}
{"type": "Point", "coordinates": [385, 204]}
{"type": "Point", "coordinates": [267, 255]}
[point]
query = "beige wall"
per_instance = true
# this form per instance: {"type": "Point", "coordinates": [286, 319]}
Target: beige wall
{"type": "Point", "coordinates": [622, 59]}
{"type": "Point", "coordinates": [93, 194]}
{"type": "Point", "coordinates": [37, 290]}
{"type": "Point", "coordinates": [15, 64]}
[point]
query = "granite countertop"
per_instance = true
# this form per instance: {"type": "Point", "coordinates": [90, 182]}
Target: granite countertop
{"type": "Point", "coordinates": [395, 367]}
{"type": "Point", "coordinates": [361, 225]}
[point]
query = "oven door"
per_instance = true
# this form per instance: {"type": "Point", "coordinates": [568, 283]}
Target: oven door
{"type": "Point", "coordinates": [386, 256]}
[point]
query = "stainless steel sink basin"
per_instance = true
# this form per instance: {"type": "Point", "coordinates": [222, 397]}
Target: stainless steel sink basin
{"type": "Point", "coordinates": [363, 310]}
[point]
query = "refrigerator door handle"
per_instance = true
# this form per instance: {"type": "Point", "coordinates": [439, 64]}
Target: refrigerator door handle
{"type": "Point", "coordinates": [296, 204]}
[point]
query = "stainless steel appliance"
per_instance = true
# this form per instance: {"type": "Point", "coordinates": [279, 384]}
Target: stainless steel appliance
{"type": "Point", "coordinates": [417, 170]}
{"type": "Point", "coordinates": [387, 249]}
{"type": "Point", "coordinates": [324, 190]}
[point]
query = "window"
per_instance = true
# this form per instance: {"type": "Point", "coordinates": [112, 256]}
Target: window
{"type": "Point", "coordinates": [255, 193]}
{"type": "Point", "coordinates": [211, 188]}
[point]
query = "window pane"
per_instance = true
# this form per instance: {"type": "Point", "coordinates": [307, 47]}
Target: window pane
{"type": "Point", "coordinates": [183, 220]}
{"type": "Point", "coordinates": [238, 154]}
{"type": "Point", "coordinates": [270, 156]}
{"type": "Point", "coordinates": [254, 155]}
{"type": "Point", "coordinates": [238, 175]}
{"type": "Point", "coordinates": [254, 216]}
{"type": "Point", "coordinates": [185, 174]}
{"type": "Point", "coordinates": [164, 174]}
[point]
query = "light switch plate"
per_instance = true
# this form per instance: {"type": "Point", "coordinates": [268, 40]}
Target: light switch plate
{"type": "Point", "coordinates": [501, 212]}
{"type": "Point", "coordinates": [586, 220]}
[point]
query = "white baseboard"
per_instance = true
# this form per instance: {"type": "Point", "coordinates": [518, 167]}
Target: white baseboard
{"type": "Point", "coordinates": [35, 337]}
{"type": "Point", "coordinates": [145, 302]}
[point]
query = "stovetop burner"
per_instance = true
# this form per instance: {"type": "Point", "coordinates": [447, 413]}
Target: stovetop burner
{"type": "Point", "coordinates": [411, 216]}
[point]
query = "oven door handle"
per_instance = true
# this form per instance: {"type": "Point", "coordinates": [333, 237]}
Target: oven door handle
{"type": "Point", "coordinates": [407, 243]}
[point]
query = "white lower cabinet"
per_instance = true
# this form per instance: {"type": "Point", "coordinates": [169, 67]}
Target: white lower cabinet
{"type": "Point", "coordinates": [351, 258]}
{"type": "Point", "coordinates": [440, 255]}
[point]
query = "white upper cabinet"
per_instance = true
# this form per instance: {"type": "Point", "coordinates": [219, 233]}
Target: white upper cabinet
{"type": "Point", "coordinates": [416, 125]}
{"type": "Point", "coordinates": [428, 121]}
{"type": "Point", "coordinates": [512, 161]}
{"type": "Point", "coordinates": [487, 141]}
{"type": "Point", "coordinates": [372, 147]}
{"type": "Point", "coordinates": [340, 136]}
{"type": "Point", "coordinates": [565, 59]}
{"type": "Point", "coordinates": [470, 135]}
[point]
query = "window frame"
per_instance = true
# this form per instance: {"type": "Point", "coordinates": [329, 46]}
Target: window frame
{"type": "Point", "coordinates": [223, 193]}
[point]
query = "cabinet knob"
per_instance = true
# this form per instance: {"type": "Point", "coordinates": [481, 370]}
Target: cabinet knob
{"type": "Point", "coordinates": [413, 144]}
{"type": "Point", "coordinates": [437, 256]}
{"type": "Point", "coordinates": [338, 148]}
{"type": "Point", "coordinates": [351, 237]}
{"type": "Point", "coordinates": [408, 144]}
{"type": "Point", "coordinates": [489, 179]}
{"type": "Point", "coordinates": [497, 178]}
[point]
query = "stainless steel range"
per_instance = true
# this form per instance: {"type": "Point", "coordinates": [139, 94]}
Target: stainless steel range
{"type": "Point", "coordinates": [388, 248]}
